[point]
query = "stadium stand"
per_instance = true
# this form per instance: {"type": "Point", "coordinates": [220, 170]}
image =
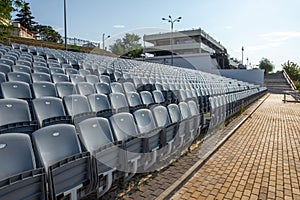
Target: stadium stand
{"type": "Point", "coordinates": [75, 123]}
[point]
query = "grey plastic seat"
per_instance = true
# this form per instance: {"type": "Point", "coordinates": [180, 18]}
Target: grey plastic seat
{"type": "Point", "coordinates": [176, 117]}
{"type": "Point", "coordinates": [116, 87]}
{"type": "Point", "coordinates": [7, 62]}
{"type": "Point", "coordinates": [65, 89]}
{"type": "Point", "coordinates": [24, 63]}
{"type": "Point", "coordinates": [70, 71]}
{"type": "Point", "coordinates": [97, 137]}
{"type": "Point", "coordinates": [58, 150]}
{"type": "Point", "coordinates": [76, 78]}
{"type": "Point", "coordinates": [104, 79]}
{"type": "Point", "coordinates": [151, 133]}
{"type": "Point", "coordinates": [39, 63]}
{"type": "Point", "coordinates": [103, 88]}
{"type": "Point", "coordinates": [19, 76]}
{"type": "Point", "coordinates": [15, 117]}
{"type": "Point", "coordinates": [191, 126]}
{"type": "Point", "coordinates": [41, 69]}
{"type": "Point", "coordinates": [118, 102]}
{"type": "Point", "coordinates": [36, 77]}
{"type": "Point", "coordinates": [16, 89]}
{"type": "Point", "coordinates": [53, 64]}
{"type": "Point", "coordinates": [100, 104]}
{"type": "Point", "coordinates": [2, 78]}
{"type": "Point", "coordinates": [162, 119]}
{"type": "Point", "coordinates": [158, 97]}
{"type": "Point", "coordinates": [57, 70]}
{"type": "Point", "coordinates": [19, 177]}
{"type": "Point", "coordinates": [84, 72]}
{"type": "Point", "coordinates": [147, 98]}
{"type": "Point", "coordinates": [56, 78]}
{"type": "Point", "coordinates": [4, 68]}
{"type": "Point", "coordinates": [85, 88]}
{"type": "Point", "coordinates": [196, 116]}
{"type": "Point", "coordinates": [134, 101]}
{"type": "Point", "coordinates": [78, 107]}
{"type": "Point", "coordinates": [43, 89]}
{"type": "Point", "coordinates": [129, 87]}
{"type": "Point", "coordinates": [92, 78]}
{"type": "Point", "coordinates": [125, 130]}
{"type": "Point", "coordinates": [49, 111]}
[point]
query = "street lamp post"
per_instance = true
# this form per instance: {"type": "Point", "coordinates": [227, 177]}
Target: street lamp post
{"type": "Point", "coordinates": [242, 55]}
{"type": "Point", "coordinates": [65, 23]}
{"type": "Point", "coordinates": [103, 39]}
{"type": "Point", "coordinates": [172, 21]}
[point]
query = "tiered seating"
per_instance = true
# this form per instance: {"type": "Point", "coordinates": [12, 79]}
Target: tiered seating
{"type": "Point", "coordinates": [93, 120]}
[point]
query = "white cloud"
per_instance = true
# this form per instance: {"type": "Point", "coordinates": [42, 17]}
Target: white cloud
{"type": "Point", "coordinates": [280, 36]}
{"type": "Point", "coordinates": [58, 29]}
{"type": "Point", "coordinates": [119, 26]}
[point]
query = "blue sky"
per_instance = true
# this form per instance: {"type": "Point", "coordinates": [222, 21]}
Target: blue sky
{"type": "Point", "coordinates": [266, 28]}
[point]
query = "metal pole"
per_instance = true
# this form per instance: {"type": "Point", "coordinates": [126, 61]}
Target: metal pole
{"type": "Point", "coordinates": [242, 55]}
{"type": "Point", "coordinates": [65, 21]}
{"type": "Point", "coordinates": [103, 40]}
{"type": "Point", "coordinates": [172, 42]}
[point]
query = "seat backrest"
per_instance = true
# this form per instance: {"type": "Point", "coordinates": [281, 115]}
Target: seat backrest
{"type": "Point", "coordinates": [16, 154]}
{"type": "Point", "coordinates": [161, 116]}
{"type": "Point", "coordinates": [44, 89]}
{"type": "Point", "coordinates": [47, 107]}
{"type": "Point", "coordinates": [59, 78]}
{"type": "Point", "coordinates": [70, 71]}
{"type": "Point", "coordinates": [174, 113]}
{"type": "Point", "coordinates": [95, 133]}
{"type": "Point", "coordinates": [5, 68]}
{"type": "Point", "coordinates": [92, 78]}
{"type": "Point", "coordinates": [13, 111]}
{"type": "Point", "coordinates": [118, 101]}
{"type": "Point", "coordinates": [36, 77]}
{"type": "Point", "coordinates": [7, 62]}
{"type": "Point", "coordinates": [2, 78]}
{"type": "Point", "coordinates": [16, 89]}
{"type": "Point", "coordinates": [193, 108]}
{"type": "Point", "coordinates": [129, 87]}
{"type": "Point", "coordinates": [144, 120]}
{"type": "Point", "coordinates": [147, 98]}
{"type": "Point", "coordinates": [103, 88]}
{"type": "Point", "coordinates": [85, 88]}
{"type": "Point", "coordinates": [184, 110]}
{"type": "Point", "coordinates": [99, 102]}
{"type": "Point", "coordinates": [76, 78]}
{"type": "Point", "coordinates": [133, 99]}
{"type": "Point", "coordinates": [65, 89]}
{"type": "Point", "coordinates": [116, 87]}
{"type": "Point", "coordinates": [158, 96]}
{"type": "Point", "coordinates": [56, 70]}
{"type": "Point", "coordinates": [19, 76]}
{"type": "Point", "coordinates": [41, 69]}
{"type": "Point", "coordinates": [123, 126]}
{"type": "Point", "coordinates": [54, 143]}
{"type": "Point", "coordinates": [76, 104]}
{"type": "Point", "coordinates": [104, 79]}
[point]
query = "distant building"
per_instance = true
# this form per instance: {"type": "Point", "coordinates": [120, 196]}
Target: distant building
{"type": "Point", "coordinates": [187, 45]}
{"type": "Point", "coordinates": [18, 30]}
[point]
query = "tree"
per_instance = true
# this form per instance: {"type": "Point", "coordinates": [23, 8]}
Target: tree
{"type": "Point", "coordinates": [127, 46]}
{"type": "Point", "coordinates": [6, 8]}
{"type": "Point", "coordinates": [25, 18]}
{"type": "Point", "coordinates": [265, 64]}
{"type": "Point", "coordinates": [292, 69]}
{"type": "Point", "coordinates": [47, 33]}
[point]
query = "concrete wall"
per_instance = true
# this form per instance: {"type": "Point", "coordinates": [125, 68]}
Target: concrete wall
{"type": "Point", "coordinates": [250, 76]}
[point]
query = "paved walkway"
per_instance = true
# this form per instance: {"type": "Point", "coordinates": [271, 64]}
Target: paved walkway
{"type": "Point", "coordinates": [260, 161]}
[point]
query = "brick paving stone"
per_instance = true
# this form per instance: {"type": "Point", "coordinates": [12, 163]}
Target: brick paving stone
{"type": "Point", "coordinates": [261, 160]}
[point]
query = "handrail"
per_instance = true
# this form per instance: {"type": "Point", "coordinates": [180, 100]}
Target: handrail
{"type": "Point", "coordinates": [289, 80]}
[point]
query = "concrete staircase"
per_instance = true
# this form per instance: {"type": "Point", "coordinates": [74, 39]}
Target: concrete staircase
{"type": "Point", "coordinates": [276, 83]}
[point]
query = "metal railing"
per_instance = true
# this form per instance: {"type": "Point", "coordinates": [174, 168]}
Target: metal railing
{"type": "Point", "coordinates": [289, 80]}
